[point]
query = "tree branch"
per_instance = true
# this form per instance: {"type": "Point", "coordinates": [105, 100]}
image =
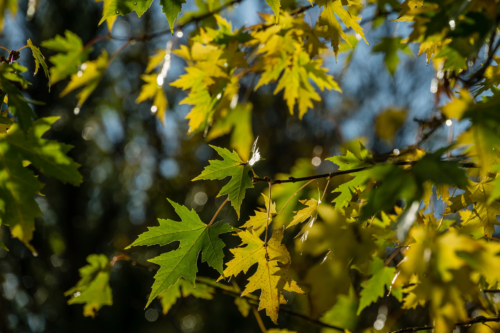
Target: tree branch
{"type": "Point", "coordinates": [476, 320]}
{"type": "Point", "coordinates": [252, 299]}
{"type": "Point", "coordinates": [338, 173]}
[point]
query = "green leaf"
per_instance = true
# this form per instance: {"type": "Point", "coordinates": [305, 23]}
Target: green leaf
{"type": "Point", "coordinates": [343, 313]}
{"type": "Point", "coordinates": [390, 46]}
{"type": "Point", "coordinates": [18, 185]}
{"type": "Point", "coordinates": [89, 78]}
{"type": "Point", "coordinates": [194, 236]}
{"type": "Point", "coordinates": [184, 289]}
{"type": "Point", "coordinates": [374, 288]}
{"type": "Point", "coordinates": [358, 183]}
{"type": "Point", "coordinates": [172, 8]}
{"type": "Point", "coordinates": [18, 105]}
{"type": "Point", "coordinates": [239, 120]}
{"type": "Point", "coordinates": [275, 6]}
{"type": "Point", "coordinates": [39, 60]}
{"type": "Point", "coordinates": [48, 156]}
{"type": "Point", "coordinates": [231, 166]}
{"type": "Point", "coordinates": [71, 55]}
{"type": "Point", "coordinates": [93, 289]}
{"type": "Point", "coordinates": [124, 7]}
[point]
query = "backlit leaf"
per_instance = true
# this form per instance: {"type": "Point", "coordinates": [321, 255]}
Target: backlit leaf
{"type": "Point", "coordinates": [231, 166]}
{"type": "Point", "coordinates": [194, 237]}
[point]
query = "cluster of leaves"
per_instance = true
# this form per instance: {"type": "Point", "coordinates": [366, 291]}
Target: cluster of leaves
{"type": "Point", "coordinates": [23, 150]}
{"type": "Point", "coordinates": [380, 203]}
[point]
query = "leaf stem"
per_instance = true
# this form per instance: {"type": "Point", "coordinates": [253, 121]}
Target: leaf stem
{"type": "Point", "coordinates": [217, 212]}
{"type": "Point", "coordinates": [286, 203]}
{"type": "Point", "coordinates": [259, 319]}
{"type": "Point", "coordinates": [268, 211]}
{"type": "Point", "coordinates": [19, 49]}
{"type": "Point", "coordinates": [6, 49]}
{"type": "Point", "coordinates": [324, 192]}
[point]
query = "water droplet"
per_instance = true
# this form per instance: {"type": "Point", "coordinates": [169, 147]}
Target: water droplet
{"type": "Point", "coordinates": [77, 294]}
{"type": "Point", "coordinates": [117, 12]}
{"type": "Point", "coordinates": [154, 108]}
{"type": "Point", "coordinates": [80, 73]}
{"type": "Point", "coordinates": [135, 3]}
{"type": "Point", "coordinates": [76, 110]}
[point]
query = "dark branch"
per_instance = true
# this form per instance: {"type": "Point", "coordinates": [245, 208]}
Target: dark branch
{"type": "Point", "coordinates": [338, 173]}
{"type": "Point", "coordinates": [252, 299]}
{"type": "Point", "coordinates": [477, 320]}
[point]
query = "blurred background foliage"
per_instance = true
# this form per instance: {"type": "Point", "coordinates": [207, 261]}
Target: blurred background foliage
{"type": "Point", "coordinates": [131, 161]}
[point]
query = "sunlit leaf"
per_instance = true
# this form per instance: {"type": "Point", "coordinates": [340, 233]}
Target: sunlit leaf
{"type": "Point", "coordinates": [194, 237]}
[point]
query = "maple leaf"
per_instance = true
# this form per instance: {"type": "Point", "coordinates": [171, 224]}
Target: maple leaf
{"type": "Point", "coordinates": [89, 78]}
{"type": "Point", "coordinates": [93, 289]}
{"type": "Point", "coordinates": [328, 20]}
{"type": "Point", "coordinates": [151, 89]}
{"type": "Point", "coordinates": [194, 236]}
{"type": "Point", "coordinates": [358, 183]}
{"type": "Point", "coordinates": [272, 275]}
{"type": "Point", "coordinates": [275, 6]}
{"type": "Point", "coordinates": [18, 104]}
{"type": "Point", "coordinates": [18, 185]}
{"type": "Point", "coordinates": [390, 46]}
{"type": "Point", "coordinates": [172, 8]}
{"type": "Point", "coordinates": [374, 288]}
{"type": "Point", "coordinates": [231, 166]}
{"type": "Point", "coordinates": [203, 103]}
{"type": "Point", "coordinates": [183, 288]}
{"type": "Point", "coordinates": [110, 21]}
{"type": "Point", "coordinates": [259, 221]}
{"type": "Point", "coordinates": [39, 60]}
{"type": "Point", "coordinates": [298, 70]}
{"type": "Point", "coordinates": [71, 55]}
{"type": "Point", "coordinates": [485, 210]}
{"type": "Point", "coordinates": [239, 121]}
{"type": "Point", "coordinates": [310, 212]}
{"type": "Point", "coordinates": [124, 7]}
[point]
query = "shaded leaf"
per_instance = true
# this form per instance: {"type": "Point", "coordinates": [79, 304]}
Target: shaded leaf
{"type": "Point", "coordinates": [93, 289]}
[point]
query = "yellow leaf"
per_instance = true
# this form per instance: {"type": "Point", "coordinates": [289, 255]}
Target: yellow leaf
{"type": "Point", "coordinates": [88, 78]}
{"type": "Point", "coordinates": [110, 21]}
{"type": "Point", "coordinates": [258, 222]}
{"type": "Point", "coordinates": [331, 26]}
{"type": "Point", "coordinates": [155, 60]}
{"type": "Point", "coordinates": [272, 275]}
{"type": "Point", "coordinates": [388, 123]}
{"type": "Point", "coordinates": [311, 211]}
{"type": "Point", "coordinates": [151, 89]}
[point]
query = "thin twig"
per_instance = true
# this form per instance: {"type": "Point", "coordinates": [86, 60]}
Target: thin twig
{"type": "Point", "coordinates": [217, 212]}
{"type": "Point", "coordinates": [6, 49]}
{"type": "Point", "coordinates": [476, 320]}
{"type": "Point", "coordinates": [19, 49]}
{"type": "Point", "coordinates": [259, 320]}
{"type": "Point", "coordinates": [117, 52]}
{"type": "Point", "coordinates": [268, 211]}
{"type": "Point", "coordinates": [324, 192]}
{"type": "Point", "coordinates": [252, 299]}
{"type": "Point", "coordinates": [286, 203]}
{"type": "Point", "coordinates": [343, 172]}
